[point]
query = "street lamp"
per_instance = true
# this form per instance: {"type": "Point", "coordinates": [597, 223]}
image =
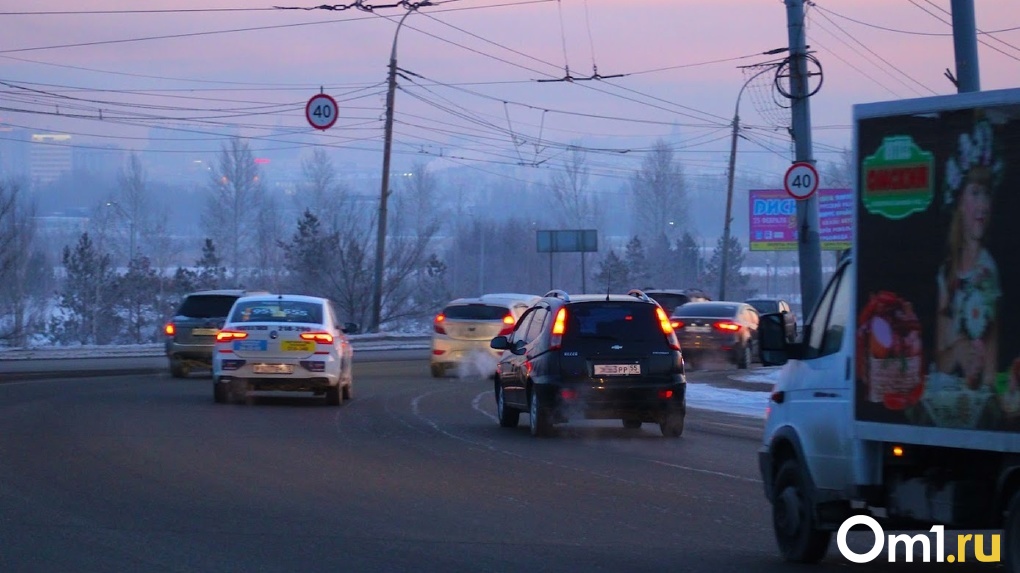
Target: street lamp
{"type": "Point", "coordinates": [380, 242]}
{"type": "Point", "coordinates": [729, 184]}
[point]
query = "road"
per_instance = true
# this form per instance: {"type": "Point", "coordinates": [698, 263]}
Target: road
{"type": "Point", "coordinates": [145, 473]}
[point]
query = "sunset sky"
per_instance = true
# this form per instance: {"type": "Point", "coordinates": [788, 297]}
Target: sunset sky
{"type": "Point", "coordinates": [107, 70]}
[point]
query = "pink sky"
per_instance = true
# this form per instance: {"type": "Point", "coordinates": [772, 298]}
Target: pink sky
{"type": "Point", "coordinates": [526, 41]}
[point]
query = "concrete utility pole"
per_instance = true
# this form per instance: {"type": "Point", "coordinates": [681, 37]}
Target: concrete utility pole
{"type": "Point", "coordinates": [809, 246]}
{"type": "Point", "coordinates": [965, 46]}
{"type": "Point", "coordinates": [384, 194]}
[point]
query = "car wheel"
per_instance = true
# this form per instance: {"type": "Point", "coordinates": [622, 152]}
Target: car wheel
{"type": "Point", "coordinates": [631, 424]}
{"type": "Point", "coordinates": [539, 424]}
{"type": "Point", "coordinates": [793, 520]}
{"type": "Point", "coordinates": [1011, 534]}
{"type": "Point", "coordinates": [509, 416]}
{"type": "Point", "coordinates": [744, 358]}
{"type": "Point", "coordinates": [221, 392]}
{"type": "Point", "coordinates": [348, 391]}
{"type": "Point", "coordinates": [438, 371]}
{"type": "Point", "coordinates": [178, 369]}
{"type": "Point", "coordinates": [672, 425]}
{"type": "Point", "coordinates": [335, 394]}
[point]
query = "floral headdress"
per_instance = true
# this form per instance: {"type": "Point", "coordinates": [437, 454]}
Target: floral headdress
{"type": "Point", "coordinates": [976, 150]}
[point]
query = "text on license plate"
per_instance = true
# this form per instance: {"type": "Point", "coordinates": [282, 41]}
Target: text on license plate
{"type": "Point", "coordinates": [698, 329]}
{"type": "Point", "coordinates": [273, 368]}
{"type": "Point", "coordinates": [617, 369]}
{"type": "Point", "coordinates": [204, 331]}
{"type": "Point", "coordinates": [297, 345]}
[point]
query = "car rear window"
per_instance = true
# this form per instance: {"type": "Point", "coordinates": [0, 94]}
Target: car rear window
{"type": "Point", "coordinates": [615, 320]}
{"type": "Point", "coordinates": [710, 310]}
{"type": "Point", "coordinates": [206, 306]}
{"type": "Point", "coordinates": [475, 312]}
{"type": "Point", "coordinates": [277, 311]}
{"type": "Point", "coordinates": [764, 306]}
{"type": "Point", "coordinates": [669, 301]}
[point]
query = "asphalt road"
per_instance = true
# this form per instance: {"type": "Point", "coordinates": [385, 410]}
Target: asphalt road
{"type": "Point", "coordinates": [146, 473]}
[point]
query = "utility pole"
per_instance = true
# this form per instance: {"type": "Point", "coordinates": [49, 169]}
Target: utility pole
{"type": "Point", "coordinates": [384, 194]}
{"type": "Point", "coordinates": [965, 46]}
{"type": "Point", "coordinates": [809, 246]}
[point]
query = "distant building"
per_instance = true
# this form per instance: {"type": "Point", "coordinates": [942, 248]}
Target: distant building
{"type": "Point", "coordinates": [49, 157]}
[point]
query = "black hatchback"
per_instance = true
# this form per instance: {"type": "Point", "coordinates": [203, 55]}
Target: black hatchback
{"type": "Point", "coordinates": [592, 357]}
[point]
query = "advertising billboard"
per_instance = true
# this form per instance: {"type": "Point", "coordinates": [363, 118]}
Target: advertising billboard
{"type": "Point", "coordinates": [773, 219]}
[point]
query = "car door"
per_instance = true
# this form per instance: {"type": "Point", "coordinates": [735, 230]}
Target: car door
{"type": "Point", "coordinates": [510, 365]}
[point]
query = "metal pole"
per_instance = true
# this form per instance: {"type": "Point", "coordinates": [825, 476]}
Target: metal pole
{"type": "Point", "coordinates": [809, 247]}
{"type": "Point", "coordinates": [965, 46]}
{"type": "Point", "coordinates": [384, 193]}
{"type": "Point", "coordinates": [724, 265]}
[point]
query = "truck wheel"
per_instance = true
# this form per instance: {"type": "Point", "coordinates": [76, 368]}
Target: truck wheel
{"type": "Point", "coordinates": [793, 519]}
{"type": "Point", "coordinates": [1012, 535]}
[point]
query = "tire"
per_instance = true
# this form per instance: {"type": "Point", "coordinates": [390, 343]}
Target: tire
{"type": "Point", "coordinates": [178, 369]}
{"type": "Point", "coordinates": [1011, 535]}
{"type": "Point", "coordinates": [539, 423]}
{"type": "Point", "coordinates": [509, 417]}
{"type": "Point", "coordinates": [793, 519]}
{"type": "Point", "coordinates": [221, 392]}
{"type": "Point", "coordinates": [438, 371]}
{"type": "Point", "coordinates": [631, 424]}
{"type": "Point", "coordinates": [335, 395]}
{"type": "Point", "coordinates": [348, 392]}
{"type": "Point", "coordinates": [672, 426]}
{"type": "Point", "coordinates": [744, 357]}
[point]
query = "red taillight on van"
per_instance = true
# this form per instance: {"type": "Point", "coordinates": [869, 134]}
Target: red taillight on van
{"type": "Point", "coordinates": [667, 328]}
{"type": "Point", "coordinates": [559, 327]}
{"type": "Point", "coordinates": [437, 324]}
{"type": "Point", "coordinates": [508, 325]}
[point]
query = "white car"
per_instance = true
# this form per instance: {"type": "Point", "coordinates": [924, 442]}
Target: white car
{"type": "Point", "coordinates": [283, 342]}
{"type": "Point", "coordinates": [462, 331]}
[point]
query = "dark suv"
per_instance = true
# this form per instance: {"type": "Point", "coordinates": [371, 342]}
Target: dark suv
{"type": "Point", "coordinates": [191, 333]}
{"type": "Point", "coordinates": [607, 356]}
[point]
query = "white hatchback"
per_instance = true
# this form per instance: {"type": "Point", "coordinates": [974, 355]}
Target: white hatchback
{"type": "Point", "coordinates": [462, 331]}
{"type": "Point", "coordinates": [283, 342]}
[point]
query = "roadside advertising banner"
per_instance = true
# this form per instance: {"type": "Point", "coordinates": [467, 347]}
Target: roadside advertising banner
{"type": "Point", "coordinates": [773, 219]}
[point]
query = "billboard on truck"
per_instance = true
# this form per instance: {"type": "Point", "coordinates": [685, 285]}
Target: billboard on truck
{"type": "Point", "coordinates": [937, 252]}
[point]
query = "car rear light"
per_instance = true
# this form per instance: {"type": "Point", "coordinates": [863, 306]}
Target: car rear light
{"type": "Point", "coordinates": [229, 335]}
{"type": "Point", "coordinates": [676, 324]}
{"type": "Point", "coordinates": [726, 326]}
{"type": "Point", "coordinates": [320, 337]}
{"type": "Point", "coordinates": [508, 325]}
{"type": "Point", "coordinates": [437, 324]}
{"type": "Point", "coordinates": [568, 394]}
{"type": "Point", "coordinates": [313, 365]}
{"type": "Point", "coordinates": [232, 364]}
{"type": "Point", "coordinates": [665, 394]}
{"type": "Point", "coordinates": [559, 327]}
{"type": "Point", "coordinates": [169, 329]}
{"type": "Point", "coordinates": [667, 328]}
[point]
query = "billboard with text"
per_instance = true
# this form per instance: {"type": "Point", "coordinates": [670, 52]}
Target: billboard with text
{"type": "Point", "coordinates": [773, 219]}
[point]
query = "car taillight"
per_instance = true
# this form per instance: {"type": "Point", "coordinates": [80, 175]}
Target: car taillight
{"type": "Point", "coordinates": [508, 325]}
{"type": "Point", "coordinates": [437, 324]}
{"type": "Point", "coordinates": [559, 327]}
{"type": "Point", "coordinates": [318, 337]}
{"type": "Point", "coordinates": [676, 324]}
{"type": "Point", "coordinates": [667, 328]}
{"type": "Point", "coordinates": [169, 329]}
{"type": "Point", "coordinates": [229, 335]}
{"type": "Point", "coordinates": [726, 326]}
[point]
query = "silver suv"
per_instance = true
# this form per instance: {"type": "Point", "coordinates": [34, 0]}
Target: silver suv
{"type": "Point", "coordinates": [191, 333]}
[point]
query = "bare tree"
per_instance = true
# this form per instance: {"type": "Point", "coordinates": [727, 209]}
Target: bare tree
{"type": "Point", "coordinates": [571, 188]}
{"type": "Point", "coordinates": [839, 174]}
{"type": "Point", "coordinates": [132, 202]}
{"type": "Point", "coordinates": [322, 192]}
{"type": "Point", "coordinates": [232, 211]}
{"type": "Point", "coordinates": [24, 274]}
{"type": "Point", "coordinates": [659, 193]}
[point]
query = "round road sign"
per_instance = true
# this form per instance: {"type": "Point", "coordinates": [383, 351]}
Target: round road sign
{"type": "Point", "coordinates": [321, 111]}
{"type": "Point", "coordinates": [801, 180]}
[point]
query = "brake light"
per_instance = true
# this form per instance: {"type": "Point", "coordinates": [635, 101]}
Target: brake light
{"type": "Point", "coordinates": [559, 327]}
{"type": "Point", "coordinates": [437, 324]}
{"type": "Point", "coordinates": [169, 329]}
{"type": "Point", "coordinates": [508, 325]}
{"type": "Point", "coordinates": [677, 324]}
{"type": "Point", "coordinates": [726, 326]}
{"type": "Point", "coordinates": [318, 337]}
{"type": "Point", "coordinates": [667, 328]}
{"type": "Point", "coordinates": [229, 335]}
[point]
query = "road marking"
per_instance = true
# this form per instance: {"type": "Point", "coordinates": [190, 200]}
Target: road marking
{"type": "Point", "coordinates": [704, 471]}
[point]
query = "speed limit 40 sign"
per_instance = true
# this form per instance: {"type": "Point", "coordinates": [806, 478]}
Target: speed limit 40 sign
{"type": "Point", "coordinates": [801, 180]}
{"type": "Point", "coordinates": [321, 111]}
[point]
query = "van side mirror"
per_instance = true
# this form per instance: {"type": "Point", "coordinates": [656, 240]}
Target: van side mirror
{"type": "Point", "coordinates": [773, 347]}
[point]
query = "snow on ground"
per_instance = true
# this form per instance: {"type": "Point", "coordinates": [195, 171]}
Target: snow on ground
{"type": "Point", "coordinates": [731, 400]}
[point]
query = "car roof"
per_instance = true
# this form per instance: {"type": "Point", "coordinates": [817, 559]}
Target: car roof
{"type": "Point", "coordinates": [692, 307]}
{"type": "Point", "coordinates": [568, 298]}
{"type": "Point", "coordinates": [290, 297]}
{"type": "Point", "coordinates": [502, 299]}
{"type": "Point", "coordinates": [226, 292]}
